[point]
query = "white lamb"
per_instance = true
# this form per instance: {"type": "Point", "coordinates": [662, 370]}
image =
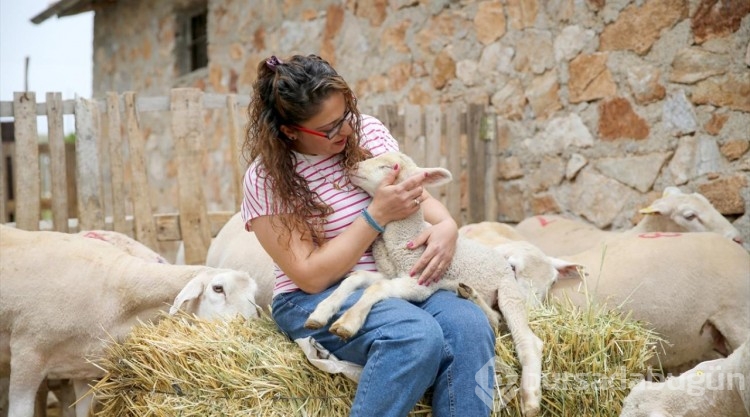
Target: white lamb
{"type": "Point", "coordinates": [693, 289]}
{"type": "Point", "coordinates": [474, 265]}
{"type": "Point", "coordinates": [675, 211]}
{"type": "Point", "coordinates": [63, 295]}
{"type": "Point", "coordinates": [713, 388]}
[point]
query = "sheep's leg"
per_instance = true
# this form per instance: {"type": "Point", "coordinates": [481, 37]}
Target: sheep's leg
{"type": "Point", "coordinates": [26, 376]}
{"type": "Point", "coordinates": [406, 288]}
{"type": "Point", "coordinates": [331, 305]}
{"type": "Point", "coordinates": [85, 402]}
{"type": "Point", "coordinates": [528, 345]}
{"type": "Point", "coordinates": [465, 291]}
{"type": "Point", "coordinates": [65, 396]}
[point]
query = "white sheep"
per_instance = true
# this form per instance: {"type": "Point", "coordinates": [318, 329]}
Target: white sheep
{"type": "Point", "coordinates": [63, 390]}
{"type": "Point", "coordinates": [490, 233]}
{"type": "Point", "coordinates": [713, 388]}
{"type": "Point", "coordinates": [473, 266]}
{"type": "Point", "coordinates": [236, 248]}
{"type": "Point", "coordinates": [693, 289]}
{"type": "Point", "coordinates": [675, 211]}
{"type": "Point", "coordinates": [63, 295]}
{"type": "Point", "coordinates": [125, 243]}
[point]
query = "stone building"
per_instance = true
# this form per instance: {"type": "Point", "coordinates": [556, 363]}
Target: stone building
{"type": "Point", "coordinates": [600, 104]}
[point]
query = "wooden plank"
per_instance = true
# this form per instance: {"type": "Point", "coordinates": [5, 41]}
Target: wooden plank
{"type": "Point", "coordinates": [235, 150]}
{"type": "Point", "coordinates": [489, 136]}
{"type": "Point", "coordinates": [433, 134]}
{"type": "Point", "coordinates": [388, 114]}
{"type": "Point", "coordinates": [187, 131]}
{"type": "Point", "coordinates": [168, 224]}
{"type": "Point", "coordinates": [477, 166]}
{"type": "Point", "coordinates": [88, 175]}
{"type": "Point", "coordinates": [26, 162]}
{"type": "Point", "coordinates": [145, 231]}
{"type": "Point", "coordinates": [453, 138]}
{"type": "Point", "coordinates": [72, 187]}
{"type": "Point", "coordinates": [117, 169]}
{"type": "Point", "coordinates": [144, 104]}
{"type": "Point", "coordinates": [58, 171]}
{"type": "Point", "coordinates": [413, 134]}
{"type": "Point", "coordinates": [4, 194]}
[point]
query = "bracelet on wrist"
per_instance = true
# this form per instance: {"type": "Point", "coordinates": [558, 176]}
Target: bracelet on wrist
{"type": "Point", "coordinates": [368, 218]}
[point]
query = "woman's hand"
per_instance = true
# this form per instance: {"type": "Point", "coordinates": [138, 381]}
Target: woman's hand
{"type": "Point", "coordinates": [440, 240]}
{"type": "Point", "coordinates": [396, 201]}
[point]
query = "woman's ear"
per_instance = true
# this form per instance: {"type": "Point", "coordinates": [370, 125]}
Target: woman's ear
{"type": "Point", "coordinates": [288, 132]}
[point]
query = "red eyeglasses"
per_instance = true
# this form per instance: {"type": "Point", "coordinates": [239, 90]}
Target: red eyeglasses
{"type": "Point", "coordinates": [330, 133]}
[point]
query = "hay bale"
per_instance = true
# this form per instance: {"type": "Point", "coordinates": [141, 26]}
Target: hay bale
{"type": "Point", "coordinates": [186, 367]}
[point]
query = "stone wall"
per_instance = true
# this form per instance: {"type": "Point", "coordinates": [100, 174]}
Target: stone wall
{"type": "Point", "coordinates": [600, 104]}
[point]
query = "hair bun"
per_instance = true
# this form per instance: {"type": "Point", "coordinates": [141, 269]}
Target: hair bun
{"type": "Point", "coordinates": [273, 62]}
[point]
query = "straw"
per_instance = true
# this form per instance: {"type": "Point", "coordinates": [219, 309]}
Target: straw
{"type": "Point", "coordinates": [182, 366]}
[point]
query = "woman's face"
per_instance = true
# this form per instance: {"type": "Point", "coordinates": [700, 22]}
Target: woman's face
{"type": "Point", "coordinates": [331, 121]}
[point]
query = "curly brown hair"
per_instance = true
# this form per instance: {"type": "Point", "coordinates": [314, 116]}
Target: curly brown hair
{"type": "Point", "coordinates": [290, 92]}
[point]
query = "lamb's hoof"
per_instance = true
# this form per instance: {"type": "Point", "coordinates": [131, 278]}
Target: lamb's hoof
{"type": "Point", "coordinates": [465, 291]}
{"type": "Point", "coordinates": [530, 411]}
{"type": "Point", "coordinates": [313, 324]}
{"type": "Point", "coordinates": [530, 408]}
{"type": "Point", "coordinates": [341, 331]}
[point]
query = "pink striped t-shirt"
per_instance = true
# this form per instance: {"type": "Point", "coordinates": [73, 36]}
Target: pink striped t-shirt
{"type": "Point", "coordinates": [326, 177]}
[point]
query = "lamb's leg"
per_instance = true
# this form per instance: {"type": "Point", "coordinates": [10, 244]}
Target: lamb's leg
{"type": "Point", "coordinates": [528, 345]}
{"type": "Point", "coordinates": [465, 291]}
{"type": "Point", "coordinates": [85, 402]}
{"type": "Point", "coordinates": [405, 288]}
{"type": "Point", "coordinates": [331, 305]}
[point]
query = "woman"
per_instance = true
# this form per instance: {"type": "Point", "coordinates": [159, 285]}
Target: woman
{"type": "Point", "coordinates": [304, 137]}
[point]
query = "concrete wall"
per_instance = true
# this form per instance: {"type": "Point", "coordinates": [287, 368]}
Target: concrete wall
{"type": "Point", "coordinates": [600, 103]}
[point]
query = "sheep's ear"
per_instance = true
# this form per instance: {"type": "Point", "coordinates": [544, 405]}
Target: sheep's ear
{"type": "Point", "coordinates": [437, 176]}
{"type": "Point", "coordinates": [671, 191]}
{"type": "Point", "coordinates": [657, 207]}
{"type": "Point", "coordinates": [189, 294]}
{"type": "Point", "coordinates": [567, 270]}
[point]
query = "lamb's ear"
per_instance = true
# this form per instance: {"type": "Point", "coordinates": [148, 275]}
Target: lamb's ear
{"type": "Point", "coordinates": [437, 176]}
{"type": "Point", "coordinates": [189, 294]}
{"type": "Point", "coordinates": [565, 269]}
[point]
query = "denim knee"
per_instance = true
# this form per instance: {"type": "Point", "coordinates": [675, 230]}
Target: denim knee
{"type": "Point", "coordinates": [421, 334]}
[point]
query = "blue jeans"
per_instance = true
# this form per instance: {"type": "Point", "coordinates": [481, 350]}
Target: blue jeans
{"type": "Point", "coordinates": [445, 343]}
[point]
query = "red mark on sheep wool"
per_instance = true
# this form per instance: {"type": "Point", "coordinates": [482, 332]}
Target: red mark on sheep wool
{"type": "Point", "coordinates": [655, 235]}
{"type": "Point", "coordinates": [94, 235]}
{"type": "Point", "coordinates": [544, 222]}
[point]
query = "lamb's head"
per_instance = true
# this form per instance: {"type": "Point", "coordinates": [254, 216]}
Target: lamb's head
{"type": "Point", "coordinates": [369, 173]}
{"type": "Point", "coordinates": [218, 293]}
{"type": "Point", "coordinates": [535, 272]}
{"type": "Point", "coordinates": [692, 212]}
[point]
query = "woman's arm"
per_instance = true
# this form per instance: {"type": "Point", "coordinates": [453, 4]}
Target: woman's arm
{"type": "Point", "coordinates": [440, 241]}
{"type": "Point", "coordinates": [313, 269]}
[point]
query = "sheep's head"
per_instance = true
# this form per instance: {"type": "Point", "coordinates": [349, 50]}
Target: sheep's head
{"type": "Point", "coordinates": [370, 173]}
{"type": "Point", "coordinates": [218, 293]}
{"type": "Point", "coordinates": [692, 213]}
{"type": "Point", "coordinates": [535, 272]}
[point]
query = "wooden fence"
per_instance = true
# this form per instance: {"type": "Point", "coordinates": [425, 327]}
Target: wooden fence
{"type": "Point", "coordinates": [459, 138]}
